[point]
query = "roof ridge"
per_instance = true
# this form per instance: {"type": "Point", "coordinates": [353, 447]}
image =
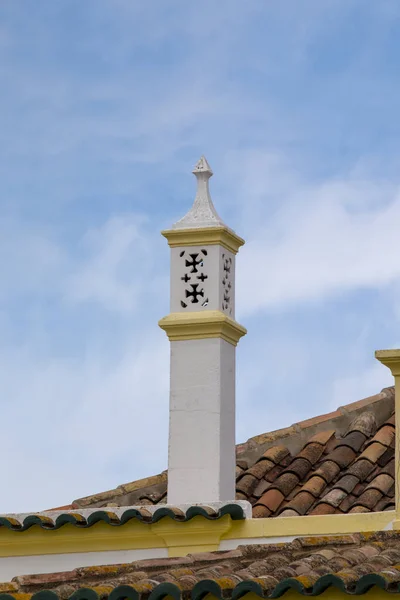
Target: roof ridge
{"type": "Point", "coordinates": [337, 420]}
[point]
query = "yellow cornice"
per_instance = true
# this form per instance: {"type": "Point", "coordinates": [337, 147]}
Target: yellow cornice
{"type": "Point", "coordinates": [204, 236]}
{"type": "Point", "coordinates": [391, 359]}
{"type": "Point", "coordinates": [198, 534]}
{"type": "Point", "coordinates": [201, 325]}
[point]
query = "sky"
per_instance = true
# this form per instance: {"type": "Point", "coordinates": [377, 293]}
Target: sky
{"type": "Point", "coordinates": [105, 107]}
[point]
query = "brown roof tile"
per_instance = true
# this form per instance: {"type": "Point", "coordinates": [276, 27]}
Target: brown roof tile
{"type": "Point", "coordinates": [369, 498]}
{"type": "Point", "coordinates": [276, 454]}
{"type": "Point", "coordinates": [315, 485]}
{"type": "Point", "coordinates": [301, 502]}
{"type": "Point", "coordinates": [261, 468]}
{"type": "Point", "coordinates": [272, 499]}
{"type": "Point", "coordinates": [354, 440]}
{"type": "Point", "coordinates": [342, 456]}
{"type": "Point", "coordinates": [286, 482]}
{"type": "Point", "coordinates": [334, 497]}
{"type": "Point", "coordinates": [382, 482]}
{"type": "Point", "coordinates": [312, 452]}
{"type": "Point", "coordinates": [338, 462]}
{"type": "Point", "coordinates": [385, 435]}
{"type": "Point", "coordinates": [300, 467]}
{"type": "Point", "coordinates": [323, 509]}
{"type": "Point", "coordinates": [361, 468]}
{"type": "Point", "coordinates": [347, 483]}
{"type": "Point", "coordinates": [247, 484]}
{"type": "Point", "coordinates": [374, 451]}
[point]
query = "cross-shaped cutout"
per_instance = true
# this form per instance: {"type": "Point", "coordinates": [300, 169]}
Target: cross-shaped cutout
{"type": "Point", "coordinates": [186, 278]}
{"type": "Point", "coordinates": [202, 277]}
{"type": "Point", "coordinates": [194, 262]}
{"type": "Point", "coordinates": [227, 267]}
{"type": "Point", "coordinates": [195, 293]}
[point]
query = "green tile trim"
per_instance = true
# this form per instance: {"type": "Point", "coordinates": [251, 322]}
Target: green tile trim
{"type": "Point", "coordinates": [208, 586]}
{"type": "Point", "coordinates": [235, 511]}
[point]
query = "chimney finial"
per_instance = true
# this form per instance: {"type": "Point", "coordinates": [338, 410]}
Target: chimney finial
{"type": "Point", "coordinates": [202, 213]}
{"type": "Point", "coordinates": [202, 166]}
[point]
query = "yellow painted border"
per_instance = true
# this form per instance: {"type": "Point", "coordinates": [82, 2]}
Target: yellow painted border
{"type": "Point", "coordinates": [204, 236]}
{"type": "Point", "coordinates": [331, 593]}
{"type": "Point", "coordinates": [201, 325]}
{"type": "Point", "coordinates": [198, 534]}
{"type": "Point", "coordinates": [311, 525]}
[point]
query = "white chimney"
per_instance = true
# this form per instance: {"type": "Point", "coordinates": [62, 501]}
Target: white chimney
{"type": "Point", "coordinates": [203, 334]}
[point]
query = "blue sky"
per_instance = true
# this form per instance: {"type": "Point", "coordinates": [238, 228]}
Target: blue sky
{"type": "Point", "coordinates": [105, 108]}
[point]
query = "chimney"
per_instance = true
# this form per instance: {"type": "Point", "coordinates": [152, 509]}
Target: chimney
{"type": "Point", "coordinates": [203, 334]}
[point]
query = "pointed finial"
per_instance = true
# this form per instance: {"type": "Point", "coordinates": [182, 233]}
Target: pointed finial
{"type": "Point", "coordinates": [202, 213]}
{"type": "Point", "coordinates": [202, 166]}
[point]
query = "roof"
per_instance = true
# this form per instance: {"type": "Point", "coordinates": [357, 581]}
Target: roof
{"type": "Point", "coordinates": [341, 462]}
{"type": "Point", "coordinates": [351, 563]}
{"type": "Point", "coordinates": [118, 516]}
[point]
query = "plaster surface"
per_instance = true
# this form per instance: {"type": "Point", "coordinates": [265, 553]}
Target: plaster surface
{"type": "Point", "coordinates": [51, 563]}
{"type": "Point", "coordinates": [201, 467]}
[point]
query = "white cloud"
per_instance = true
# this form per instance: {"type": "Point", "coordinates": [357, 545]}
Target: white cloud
{"type": "Point", "coordinates": [325, 240]}
{"type": "Point", "coordinates": [116, 265]}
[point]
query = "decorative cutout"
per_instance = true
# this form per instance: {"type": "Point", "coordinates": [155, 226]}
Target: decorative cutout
{"type": "Point", "coordinates": [227, 283]}
{"type": "Point", "coordinates": [194, 292]}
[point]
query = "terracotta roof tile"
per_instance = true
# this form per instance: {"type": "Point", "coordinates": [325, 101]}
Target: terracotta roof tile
{"type": "Point", "coordinates": [347, 483]}
{"type": "Point", "coordinates": [261, 512]}
{"type": "Point", "coordinates": [328, 470]}
{"type": "Point", "coordinates": [323, 509]}
{"type": "Point", "coordinates": [382, 482]}
{"type": "Point", "coordinates": [334, 497]}
{"type": "Point", "coordinates": [365, 423]}
{"type": "Point", "coordinates": [301, 502]}
{"type": "Point", "coordinates": [361, 468]}
{"type": "Point", "coordinates": [338, 462]}
{"type": "Point", "coordinates": [262, 487]}
{"type": "Point", "coordinates": [300, 467]}
{"type": "Point", "coordinates": [385, 435]}
{"type": "Point", "coordinates": [312, 452]}
{"type": "Point", "coordinates": [276, 454]}
{"type": "Point", "coordinates": [273, 473]}
{"type": "Point", "coordinates": [247, 484]}
{"type": "Point", "coordinates": [358, 563]}
{"type": "Point", "coordinates": [315, 485]}
{"type": "Point", "coordinates": [389, 467]}
{"type": "Point", "coordinates": [385, 457]}
{"type": "Point", "coordinates": [342, 456]}
{"type": "Point", "coordinates": [261, 468]}
{"type": "Point", "coordinates": [347, 503]}
{"type": "Point", "coordinates": [354, 440]}
{"type": "Point", "coordinates": [374, 451]}
{"type": "Point", "coordinates": [272, 499]}
{"type": "Point", "coordinates": [286, 482]}
{"type": "Point", "coordinates": [369, 498]}
{"type": "Point", "coordinates": [323, 437]}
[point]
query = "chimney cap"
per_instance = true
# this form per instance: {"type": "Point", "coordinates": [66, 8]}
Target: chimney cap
{"type": "Point", "coordinates": [203, 213]}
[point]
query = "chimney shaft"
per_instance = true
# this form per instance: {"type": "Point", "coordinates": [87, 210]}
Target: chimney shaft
{"type": "Point", "coordinates": [203, 335]}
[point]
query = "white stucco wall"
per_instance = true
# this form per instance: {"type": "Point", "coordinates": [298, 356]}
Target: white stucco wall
{"type": "Point", "coordinates": [201, 466]}
{"type": "Point", "coordinates": [50, 563]}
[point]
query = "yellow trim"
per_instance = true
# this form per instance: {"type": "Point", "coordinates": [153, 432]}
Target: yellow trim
{"type": "Point", "coordinates": [204, 236]}
{"type": "Point", "coordinates": [196, 535]}
{"type": "Point", "coordinates": [331, 593]}
{"type": "Point", "coordinates": [201, 325]}
{"type": "Point", "coordinates": [310, 525]}
{"type": "Point", "coordinates": [391, 359]}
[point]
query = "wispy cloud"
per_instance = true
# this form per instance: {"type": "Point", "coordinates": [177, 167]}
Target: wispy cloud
{"type": "Point", "coordinates": [104, 111]}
